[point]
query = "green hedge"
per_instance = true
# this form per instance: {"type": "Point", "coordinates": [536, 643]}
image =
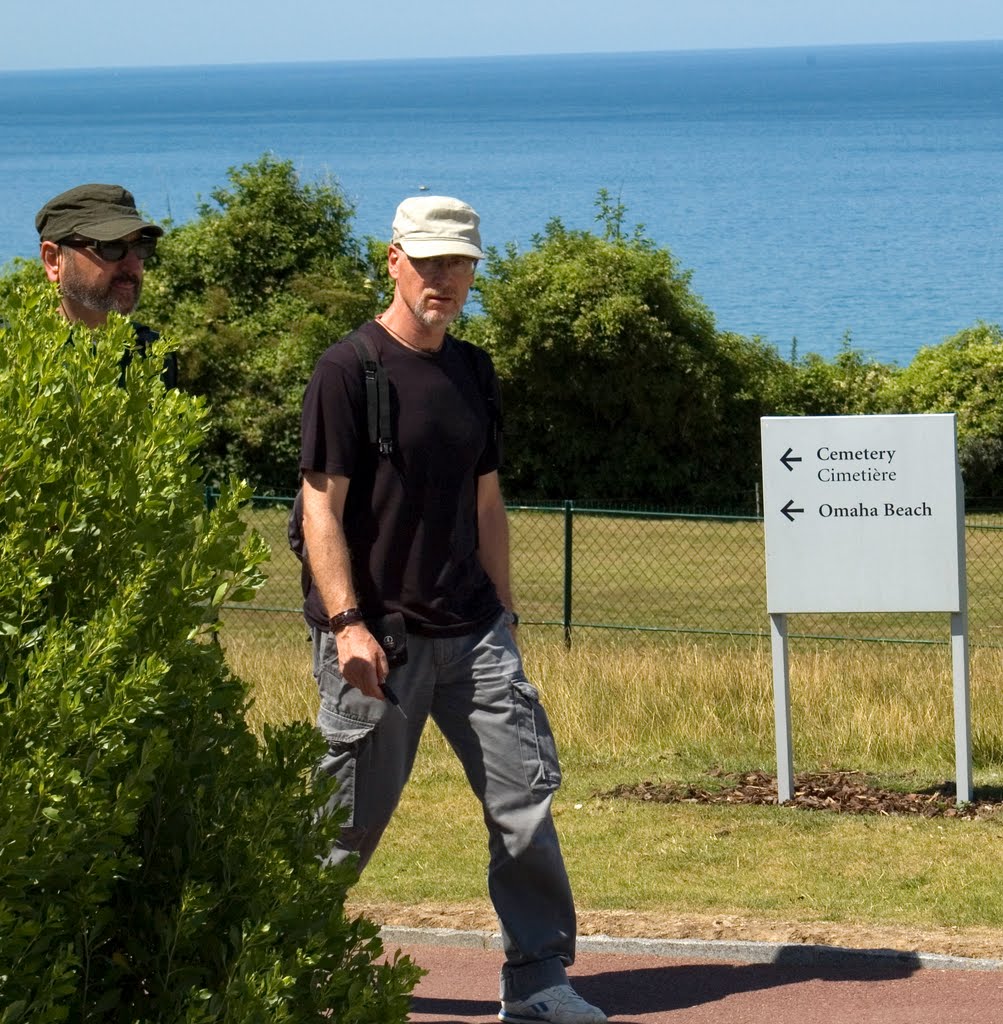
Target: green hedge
{"type": "Point", "coordinates": [157, 861]}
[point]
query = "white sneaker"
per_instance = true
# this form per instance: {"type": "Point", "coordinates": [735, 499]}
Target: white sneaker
{"type": "Point", "coordinates": [559, 1004]}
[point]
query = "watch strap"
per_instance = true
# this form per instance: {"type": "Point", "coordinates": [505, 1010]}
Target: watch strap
{"type": "Point", "coordinates": [346, 618]}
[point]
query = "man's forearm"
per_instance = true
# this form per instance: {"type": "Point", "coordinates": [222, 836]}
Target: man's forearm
{"type": "Point", "coordinates": [360, 658]}
{"type": "Point", "coordinates": [327, 550]}
{"type": "Point", "coordinates": [493, 545]}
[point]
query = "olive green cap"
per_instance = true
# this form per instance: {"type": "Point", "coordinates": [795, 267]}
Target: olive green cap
{"type": "Point", "coordinates": [101, 212]}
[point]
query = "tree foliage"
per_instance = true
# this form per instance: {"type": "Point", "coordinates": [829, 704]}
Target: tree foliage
{"type": "Point", "coordinates": [963, 375]}
{"type": "Point", "coordinates": [850, 384]}
{"type": "Point", "coordinates": [18, 275]}
{"type": "Point", "coordinates": [157, 862]}
{"type": "Point", "coordinates": [616, 384]}
{"type": "Point", "coordinates": [254, 289]}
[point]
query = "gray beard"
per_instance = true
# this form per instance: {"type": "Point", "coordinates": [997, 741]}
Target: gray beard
{"type": "Point", "coordinates": [101, 300]}
{"type": "Point", "coordinates": [433, 318]}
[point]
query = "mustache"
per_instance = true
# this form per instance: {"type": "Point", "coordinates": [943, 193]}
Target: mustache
{"type": "Point", "coordinates": [125, 278]}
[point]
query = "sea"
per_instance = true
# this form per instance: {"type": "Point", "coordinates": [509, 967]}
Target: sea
{"type": "Point", "coordinates": [816, 195]}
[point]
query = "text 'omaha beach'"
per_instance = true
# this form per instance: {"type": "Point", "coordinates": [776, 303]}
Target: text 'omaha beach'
{"type": "Point", "coordinates": [862, 511]}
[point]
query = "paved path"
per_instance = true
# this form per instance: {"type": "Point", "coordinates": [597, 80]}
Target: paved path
{"type": "Point", "coordinates": [729, 983]}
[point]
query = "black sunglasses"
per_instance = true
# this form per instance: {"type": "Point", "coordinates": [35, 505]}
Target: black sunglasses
{"type": "Point", "coordinates": [114, 252]}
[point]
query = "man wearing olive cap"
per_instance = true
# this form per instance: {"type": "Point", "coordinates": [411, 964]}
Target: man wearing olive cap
{"type": "Point", "coordinates": [93, 244]}
{"type": "Point", "coordinates": [415, 525]}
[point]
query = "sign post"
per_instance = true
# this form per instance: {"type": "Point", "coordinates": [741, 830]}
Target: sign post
{"type": "Point", "coordinates": [864, 514]}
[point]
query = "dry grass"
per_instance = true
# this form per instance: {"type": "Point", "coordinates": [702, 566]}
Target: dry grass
{"type": "Point", "coordinates": [633, 708]}
{"type": "Point", "coordinates": [278, 675]}
{"type": "Point", "coordinates": [879, 708]}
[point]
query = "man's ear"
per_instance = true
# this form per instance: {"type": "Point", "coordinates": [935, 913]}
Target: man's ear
{"type": "Point", "coordinates": [49, 253]}
{"type": "Point", "coordinates": [393, 258]}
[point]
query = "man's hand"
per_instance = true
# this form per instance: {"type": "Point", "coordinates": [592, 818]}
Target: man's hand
{"type": "Point", "coordinates": [361, 659]}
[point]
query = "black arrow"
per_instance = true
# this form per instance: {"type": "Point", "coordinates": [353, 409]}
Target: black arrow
{"type": "Point", "coordinates": [787, 510]}
{"type": "Point", "coordinates": [787, 458]}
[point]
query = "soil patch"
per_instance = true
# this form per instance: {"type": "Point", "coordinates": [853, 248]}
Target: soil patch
{"type": "Point", "coordinates": [845, 792]}
{"type": "Point", "coordinates": [970, 942]}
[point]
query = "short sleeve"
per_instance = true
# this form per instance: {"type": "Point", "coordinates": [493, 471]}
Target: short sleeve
{"type": "Point", "coordinates": [331, 407]}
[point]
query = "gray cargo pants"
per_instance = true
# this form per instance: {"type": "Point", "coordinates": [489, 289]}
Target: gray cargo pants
{"type": "Point", "coordinates": [476, 692]}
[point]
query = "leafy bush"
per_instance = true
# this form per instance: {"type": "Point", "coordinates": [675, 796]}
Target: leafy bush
{"type": "Point", "coordinates": [615, 382]}
{"type": "Point", "coordinates": [157, 862]}
{"type": "Point", "coordinates": [850, 384]}
{"type": "Point", "coordinates": [253, 290]}
{"type": "Point", "coordinates": [17, 275]}
{"type": "Point", "coordinates": [963, 375]}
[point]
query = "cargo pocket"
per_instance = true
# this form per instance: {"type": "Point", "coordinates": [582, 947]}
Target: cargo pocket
{"type": "Point", "coordinates": [345, 722]}
{"type": "Point", "coordinates": [536, 741]}
{"type": "Point", "coordinates": [346, 730]}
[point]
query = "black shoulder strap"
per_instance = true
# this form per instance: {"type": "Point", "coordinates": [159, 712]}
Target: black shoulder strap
{"type": "Point", "coordinates": [378, 422]}
{"type": "Point", "coordinates": [483, 370]}
{"type": "Point", "coordinates": [378, 389]}
{"type": "Point", "coordinates": [377, 394]}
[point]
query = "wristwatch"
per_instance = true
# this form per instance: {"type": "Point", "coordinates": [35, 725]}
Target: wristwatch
{"type": "Point", "coordinates": [338, 622]}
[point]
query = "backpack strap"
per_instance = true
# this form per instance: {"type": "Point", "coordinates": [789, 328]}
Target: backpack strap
{"type": "Point", "coordinates": [377, 394]}
{"type": "Point", "coordinates": [487, 380]}
{"type": "Point", "coordinates": [378, 389]}
{"type": "Point", "coordinates": [378, 423]}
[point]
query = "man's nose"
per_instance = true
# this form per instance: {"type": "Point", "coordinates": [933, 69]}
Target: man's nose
{"type": "Point", "coordinates": [133, 263]}
{"type": "Point", "coordinates": [438, 271]}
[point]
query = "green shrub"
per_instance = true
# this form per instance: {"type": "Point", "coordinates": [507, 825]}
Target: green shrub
{"type": "Point", "coordinates": [18, 274]}
{"type": "Point", "coordinates": [253, 290]}
{"type": "Point", "coordinates": [963, 375]}
{"type": "Point", "coordinates": [157, 861]}
{"type": "Point", "coordinates": [614, 381]}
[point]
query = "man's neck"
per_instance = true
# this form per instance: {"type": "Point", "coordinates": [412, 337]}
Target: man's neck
{"type": "Point", "coordinates": [88, 317]}
{"type": "Point", "coordinates": [410, 333]}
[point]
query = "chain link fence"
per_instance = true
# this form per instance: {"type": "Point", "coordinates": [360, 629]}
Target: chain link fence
{"type": "Point", "coordinates": [581, 569]}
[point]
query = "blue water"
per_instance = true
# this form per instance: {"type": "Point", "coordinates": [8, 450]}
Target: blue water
{"type": "Point", "coordinates": [811, 192]}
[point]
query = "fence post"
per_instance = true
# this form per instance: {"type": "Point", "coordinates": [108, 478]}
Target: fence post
{"type": "Point", "coordinates": [568, 558]}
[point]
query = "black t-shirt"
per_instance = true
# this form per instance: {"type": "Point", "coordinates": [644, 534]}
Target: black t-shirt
{"type": "Point", "coordinates": [146, 336]}
{"type": "Point", "coordinates": [411, 518]}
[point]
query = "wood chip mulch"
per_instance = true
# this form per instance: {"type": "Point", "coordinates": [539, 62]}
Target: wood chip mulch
{"type": "Point", "coordinates": [845, 792]}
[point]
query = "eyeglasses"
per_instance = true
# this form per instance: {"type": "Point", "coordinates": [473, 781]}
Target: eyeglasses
{"type": "Point", "coordinates": [429, 265]}
{"type": "Point", "coordinates": [116, 251]}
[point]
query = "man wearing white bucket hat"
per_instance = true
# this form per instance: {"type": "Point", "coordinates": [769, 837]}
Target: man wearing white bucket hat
{"type": "Point", "coordinates": [404, 523]}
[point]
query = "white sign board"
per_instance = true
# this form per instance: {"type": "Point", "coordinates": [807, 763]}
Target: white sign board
{"type": "Point", "coordinates": [861, 514]}
{"type": "Point", "coordinates": [864, 514]}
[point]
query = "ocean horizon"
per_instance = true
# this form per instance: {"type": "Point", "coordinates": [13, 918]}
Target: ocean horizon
{"type": "Point", "coordinates": [811, 192]}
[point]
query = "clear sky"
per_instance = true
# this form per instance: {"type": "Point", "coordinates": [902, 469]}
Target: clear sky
{"type": "Point", "coordinates": [99, 33]}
